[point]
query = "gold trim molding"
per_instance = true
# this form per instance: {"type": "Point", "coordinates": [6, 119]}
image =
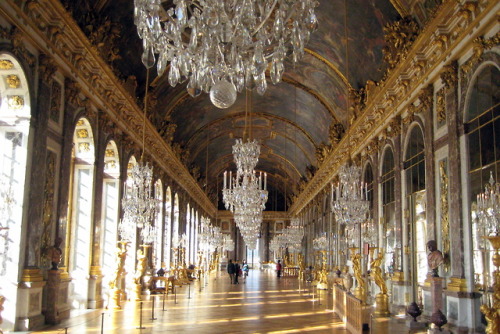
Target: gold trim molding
{"type": "Point", "coordinates": [457, 284]}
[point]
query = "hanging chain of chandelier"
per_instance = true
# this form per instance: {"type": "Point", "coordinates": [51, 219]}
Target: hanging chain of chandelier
{"type": "Point", "coordinates": [221, 47]}
{"type": "Point", "coordinates": [245, 194]}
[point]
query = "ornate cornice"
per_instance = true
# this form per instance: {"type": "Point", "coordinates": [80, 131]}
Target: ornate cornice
{"type": "Point", "coordinates": [266, 215]}
{"type": "Point", "coordinates": [54, 32]}
{"type": "Point", "coordinates": [427, 56]}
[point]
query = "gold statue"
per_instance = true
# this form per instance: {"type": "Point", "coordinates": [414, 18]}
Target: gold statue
{"type": "Point", "coordinates": [2, 300]}
{"type": "Point", "coordinates": [121, 255]}
{"type": "Point", "coordinates": [141, 267]}
{"type": "Point", "coordinates": [359, 292]}
{"type": "Point", "coordinates": [492, 317]}
{"type": "Point", "coordinates": [376, 271]}
{"type": "Point", "coordinates": [302, 266]}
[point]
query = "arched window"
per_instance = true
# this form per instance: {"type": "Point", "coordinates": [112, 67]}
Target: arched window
{"type": "Point", "coordinates": [390, 241]}
{"type": "Point", "coordinates": [175, 229]}
{"type": "Point", "coordinates": [188, 234]}
{"type": "Point", "coordinates": [168, 226]}
{"type": "Point", "coordinates": [80, 207]}
{"type": "Point", "coordinates": [415, 265]}
{"type": "Point", "coordinates": [482, 127]}
{"type": "Point", "coordinates": [110, 205]}
{"type": "Point", "coordinates": [157, 245]}
{"type": "Point", "coordinates": [131, 234]}
{"type": "Point", "coordinates": [15, 115]}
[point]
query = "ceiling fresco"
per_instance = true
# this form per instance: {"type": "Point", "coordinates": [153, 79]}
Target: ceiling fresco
{"type": "Point", "coordinates": [292, 120]}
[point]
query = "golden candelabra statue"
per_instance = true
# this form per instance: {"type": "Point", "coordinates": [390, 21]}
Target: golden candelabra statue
{"type": "Point", "coordinates": [302, 266]}
{"type": "Point", "coordinates": [360, 290]}
{"type": "Point", "coordinates": [115, 282]}
{"type": "Point", "coordinates": [382, 299]}
{"type": "Point", "coordinates": [140, 271]}
{"type": "Point", "coordinates": [492, 313]}
{"type": "Point", "coordinates": [323, 273]}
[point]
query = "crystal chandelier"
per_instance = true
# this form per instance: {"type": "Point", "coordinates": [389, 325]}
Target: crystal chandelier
{"type": "Point", "coordinates": [320, 243]}
{"type": "Point", "coordinates": [245, 194]}
{"type": "Point", "coordinates": [223, 46]}
{"type": "Point", "coordinates": [351, 204]}
{"type": "Point", "coordinates": [488, 208]}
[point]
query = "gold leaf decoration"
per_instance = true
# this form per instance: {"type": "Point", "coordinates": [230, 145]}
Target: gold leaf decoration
{"type": "Point", "coordinates": [13, 81]}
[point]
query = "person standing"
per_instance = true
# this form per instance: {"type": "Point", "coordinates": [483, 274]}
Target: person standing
{"type": "Point", "coordinates": [245, 269]}
{"type": "Point", "coordinates": [237, 273]}
{"type": "Point", "coordinates": [231, 271]}
{"type": "Point", "coordinates": [278, 268]}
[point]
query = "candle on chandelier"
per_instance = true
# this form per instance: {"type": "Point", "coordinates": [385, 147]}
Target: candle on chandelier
{"type": "Point", "coordinates": [260, 180]}
{"type": "Point", "coordinates": [265, 181]}
{"type": "Point", "coordinates": [225, 172]}
{"type": "Point", "coordinates": [230, 179]}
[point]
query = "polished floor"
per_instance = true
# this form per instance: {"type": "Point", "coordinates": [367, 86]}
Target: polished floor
{"type": "Point", "coordinates": [262, 304]}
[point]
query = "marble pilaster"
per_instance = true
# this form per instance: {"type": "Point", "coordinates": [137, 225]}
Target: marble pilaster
{"type": "Point", "coordinates": [29, 300]}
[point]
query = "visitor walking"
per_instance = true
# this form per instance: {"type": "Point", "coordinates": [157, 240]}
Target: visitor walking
{"type": "Point", "coordinates": [245, 269]}
{"type": "Point", "coordinates": [231, 271]}
{"type": "Point", "coordinates": [237, 272]}
{"type": "Point", "coordinates": [278, 268]}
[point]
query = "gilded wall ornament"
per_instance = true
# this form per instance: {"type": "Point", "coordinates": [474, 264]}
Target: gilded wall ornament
{"type": "Point", "coordinates": [110, 153]}
{"type": "Point", "coordinates": [6, 64]}
{"type": "Point", "coordinates": [336, 133]}
{"type": "Point", "coordinates": [48, 203]}
{"type": "Point", "coordinates": [445, 223]}
{"type": "Point", "coordinates": [13, 81]}
{"type": "Point", "coordinates": [449, 75]}
{"type": "Point", "coordinates": [399, 36]}
{"type": "Point", "coordinates": [441, 107]}
{"type": "Point", "coordinates": [82, 133]}
{"type": "Point", "coordinates": [46, 68]}
{"type": "Point", "coordinates": [55, 101]}
{"type": "Point", "coordinates": [15, 102]}
{"type": "Point", "coordinates": [480, 45]}
{"type": "Point", "coordinates": [84, 147]}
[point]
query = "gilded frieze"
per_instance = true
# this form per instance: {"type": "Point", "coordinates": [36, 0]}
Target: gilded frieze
{"type": "Point", "coordinates": [46, 68]}
{"type": "Point", "coordinates": [110, 153]}
{"type": "Point", "coordinates": [399, 37]}
{"type": "Point", "coordinates": [449, 75]}
{"type": "Point", "coordinates": [13, 81]}
{"type": "Point", "coordinates": [84, 147]}
{"type": "Point", "coordinates": [480, 44]}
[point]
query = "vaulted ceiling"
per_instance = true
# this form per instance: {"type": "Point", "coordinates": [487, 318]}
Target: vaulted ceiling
{"type": "Point", "coordinates": [293, 120]}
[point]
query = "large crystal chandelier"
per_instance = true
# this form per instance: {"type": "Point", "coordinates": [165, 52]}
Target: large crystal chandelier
{"type": "Point", "coordinates": [350, 203]}
{"type": "Point", "coordinates": [488, 208]}
{"type": "Point", "coordinates": [226, 45]}
{"type": "Point", "coordinates": [293, 235]}
{"type": "Point", "coordinates": [245, 194]}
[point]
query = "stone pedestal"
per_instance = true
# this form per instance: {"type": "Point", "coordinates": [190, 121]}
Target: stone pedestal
{"type": "Point", "coordinates": [437, 293]}
{"type": "Point", "coordinates": [95, 288]}
{"type": "Point", "coordinates": [29, 302]}
{"type": "Point", "coordinates": [57, 297]}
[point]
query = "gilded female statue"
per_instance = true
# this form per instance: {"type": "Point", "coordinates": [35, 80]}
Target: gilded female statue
{"type": "Point", "coordinates": [141, 267]}
{"type": "Point", "coordinates": [121, 255]}
{"type": "Point", "coordinates": [376, 271]}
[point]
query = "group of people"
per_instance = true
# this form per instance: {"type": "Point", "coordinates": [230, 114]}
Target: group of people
{"type": "Point", "coordinates": [234, 270]}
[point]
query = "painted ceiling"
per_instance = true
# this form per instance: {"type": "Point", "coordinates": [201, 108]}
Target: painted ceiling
{"type": "Point", "coordinates": [293, 118]}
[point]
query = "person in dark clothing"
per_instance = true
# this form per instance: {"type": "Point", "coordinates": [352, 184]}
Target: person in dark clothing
{"type": "Point", "coordinates": [278, 268]}
{"type": "Point", "coordinates": [237, 270]}
{"type": "Point", "coordinates": [231, 271]}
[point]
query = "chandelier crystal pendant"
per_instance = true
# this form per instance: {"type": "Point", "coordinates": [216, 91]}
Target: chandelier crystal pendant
{"type": "Point", "coordinates": [351, 203]}
{"type": "Point", "coordinates": [223, 46]}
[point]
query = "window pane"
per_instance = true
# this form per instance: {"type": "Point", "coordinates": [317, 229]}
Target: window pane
{"type": "Point", "coordinates": [474, 152]}
{"type": "Point", "coordinates": [487, 144]}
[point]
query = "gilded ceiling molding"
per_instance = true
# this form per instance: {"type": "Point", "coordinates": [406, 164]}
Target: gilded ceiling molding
{"type": "Point", "coordinates": [266, 215]}
{"type": "Point", "coordinates": [423, 58]}
{"type": "Point", "coordinates": [400, 8]}
{"type": "Point", "coordinates": [55, 33]}
{"type": "Point", "coordinates": [329, 64]}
